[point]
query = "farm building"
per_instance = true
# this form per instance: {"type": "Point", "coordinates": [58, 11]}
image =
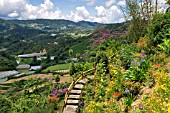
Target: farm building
{"type": "Point", "coordinates": [34, 68]}
{"type": "Point", "coordinates": [31, 55]}
{"type": "Point", "coordinates": [23, 67]}
{"type": "Point", "coordinates": [4, 75]}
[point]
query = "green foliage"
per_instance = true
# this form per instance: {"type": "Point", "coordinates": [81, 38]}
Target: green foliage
{"type": "Point", "coordinates": [39, 110]}
{"type": "Point", "coordinates": [57, 78]}
{"type": "Point", "coordinates": [138, 70]}
{"type": "Point", "coordinates": [26, 61]}
{"type": "Point", "coordinates": [72, 69]}
{"type": "Point", "coordinates": [7, 62]}
{"type": "Point", "coordinates": [159, 29]}
{"type": "Point", "coordinates": [5, 104]}
{"type": "Point", "coordinates": [70, 53]}
{"type": "Point", "coordinates": [126, 54]}
{"type": "Point", "coordinates": [165, 46]}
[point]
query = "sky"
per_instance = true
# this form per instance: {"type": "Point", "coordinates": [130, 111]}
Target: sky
{"type": "Point", "coordinates": [103, 11]}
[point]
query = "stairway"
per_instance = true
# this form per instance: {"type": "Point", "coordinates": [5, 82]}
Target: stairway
{"type": "Point", "coordinates": [73, 99]}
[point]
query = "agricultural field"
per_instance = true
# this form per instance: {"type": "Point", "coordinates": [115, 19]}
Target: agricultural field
{"type": "Point", "coordinates": [58, 67]}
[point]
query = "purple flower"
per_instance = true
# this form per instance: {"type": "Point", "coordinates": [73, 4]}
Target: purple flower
{"type": "Point", "coordinates": [142, 60]}
{"type": "Point", "coordinates": [135, 62]}
{"type": "Point", "coordinates": [59, 90]}
{"type": "Point", "coordinates": [83, 55]}
{"type": "Point", "coordinates": [52, 94]}
{"type": "Point", "coordinates": [66, 89]}
{"type": "Point", "coordinates": [140, 106]}
{"type": "Point", "coordinates": [97, 41]}
{"type": "Point", "coordinates": [143, 54]}
{"type": "Point", "coordinates": [132, 61]}
{"type": "Point", "coordinates": [56, 91]}
{"type": "Point", "coordinates": [127, 91]}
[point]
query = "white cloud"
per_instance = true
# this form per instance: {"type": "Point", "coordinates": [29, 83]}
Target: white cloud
{"type": "Point", "coordinates": [101, 11]}
{"type": "Point", "coordinates": [91, 3]}
{"type": "Point", "coordinates": [109, 3]}
{"type": "Point", "coordinates": [82, 11]}
{"type": "Point", "coordinates": [121, 3]}
{"type": "Point", "coordinates": [79, 14]}
{"type": "Point", "coordinates": [41, 11]}
{"type": "Point", "coordinates": [22, 9]}
{"type": "Point", "coordinates": [111, 15]}
{"type": "Point", "coordinates": [13, 14]}
{"type": "Point", "coordinates": [48, 5]}
{"type": "Point", "coordinates": [9, 6]}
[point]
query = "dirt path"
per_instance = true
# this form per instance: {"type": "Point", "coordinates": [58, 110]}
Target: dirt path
{"type": "Point", "coordinates": [65, 78]}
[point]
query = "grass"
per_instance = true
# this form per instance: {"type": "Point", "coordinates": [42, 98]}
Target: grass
{"type": "Point", "coordinates": [58, 67]}
{"type": "Point", "coordinates": [26, 60]}
{"type": "Point", "coordinates": [81, 47]}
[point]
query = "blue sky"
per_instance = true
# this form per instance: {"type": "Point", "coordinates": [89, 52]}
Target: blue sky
{"type": "Point", "coordinates": [103, 11]}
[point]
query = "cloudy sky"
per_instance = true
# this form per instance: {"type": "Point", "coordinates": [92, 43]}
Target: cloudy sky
{"type": "Point", "coordinates": [103, 11]}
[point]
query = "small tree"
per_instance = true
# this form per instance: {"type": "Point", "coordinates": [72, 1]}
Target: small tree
{"type": "Point", "coordinates": [140, 13]}
{"type": "Point", "coordinates": [57, 78]}
{"type": "Point", "coordinates": [72, 69]}
{"type": "Point", "coordinates": [78, 56]}
{"type": "Point", "coordinates": [70, 53]}
{"type": "Point", "coordinates": [48, 58]}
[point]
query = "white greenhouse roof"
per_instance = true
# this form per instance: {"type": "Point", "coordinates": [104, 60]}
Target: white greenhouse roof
{"type": "Point", "coordinates": [8, 73]}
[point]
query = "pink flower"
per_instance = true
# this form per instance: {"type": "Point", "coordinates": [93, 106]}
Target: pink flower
{"type": "Point", "coordinates": [54, 82]}
{"type": "Point", "coordinates": [94, 34]}
{"type": "Point", "coordinates": [140, 106]}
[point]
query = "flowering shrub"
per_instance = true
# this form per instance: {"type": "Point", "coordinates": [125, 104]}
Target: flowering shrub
{"type": "Point", "coordinates": [158, 101]}
{"type": "Point", "coordinates": [94, 107]}
{"type": "Point", "coordinates": [138, 68]}
{"type": "Point", "coordinates": [53, 101]}
{"type": "Point", "coordinates": [142, 43]}
{"type": "Point", "coordinates": [59, 89]}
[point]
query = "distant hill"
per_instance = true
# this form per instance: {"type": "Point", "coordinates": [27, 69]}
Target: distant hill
{"type": "Point", "coordinates": [5, 25]}
{"type": "Point", "coordinates": [59, 24]}
{"type": "Point", "coordinates": [88, 24]}
{"type": "Point", "coordinates": [28, 36]}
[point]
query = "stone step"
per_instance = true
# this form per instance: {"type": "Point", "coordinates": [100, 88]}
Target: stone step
{"type": "Point", "coordinates": [72, 102]}
{"type": "Point", "coordinates": [74, 97]}
{"type": "Point", "coordinates": [83, 81]}
{"type": "Point", "coordinates": [70, 109]}
{"type": "Point", "coordinates": [78, 86]}
{"type": "Point", "coordinates": [75, 92]}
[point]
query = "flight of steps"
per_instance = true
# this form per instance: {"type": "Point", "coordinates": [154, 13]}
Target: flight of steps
{"type": "Point", "coordinates": [74, 96]}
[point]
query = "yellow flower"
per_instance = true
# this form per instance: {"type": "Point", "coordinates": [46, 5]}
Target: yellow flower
{"type": "Point", "coordinates": [168, 108]}
{"type": "Point", "coordinates": [114, 72]}
{"type": "Point", "coordinates": [117, 55]}
{"type": "Point", "coordinates": [163, 87]}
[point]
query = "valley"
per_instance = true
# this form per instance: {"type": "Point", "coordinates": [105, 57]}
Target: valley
{"type": "Point", "coordinates": [63, 66]}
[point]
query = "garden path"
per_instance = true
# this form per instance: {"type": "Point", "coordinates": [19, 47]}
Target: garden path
{"type": "Point", "coordinates": [73, 100]}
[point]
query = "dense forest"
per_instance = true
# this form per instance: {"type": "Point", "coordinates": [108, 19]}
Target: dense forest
{"type": "Point", "coordinates": [7, 62]}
